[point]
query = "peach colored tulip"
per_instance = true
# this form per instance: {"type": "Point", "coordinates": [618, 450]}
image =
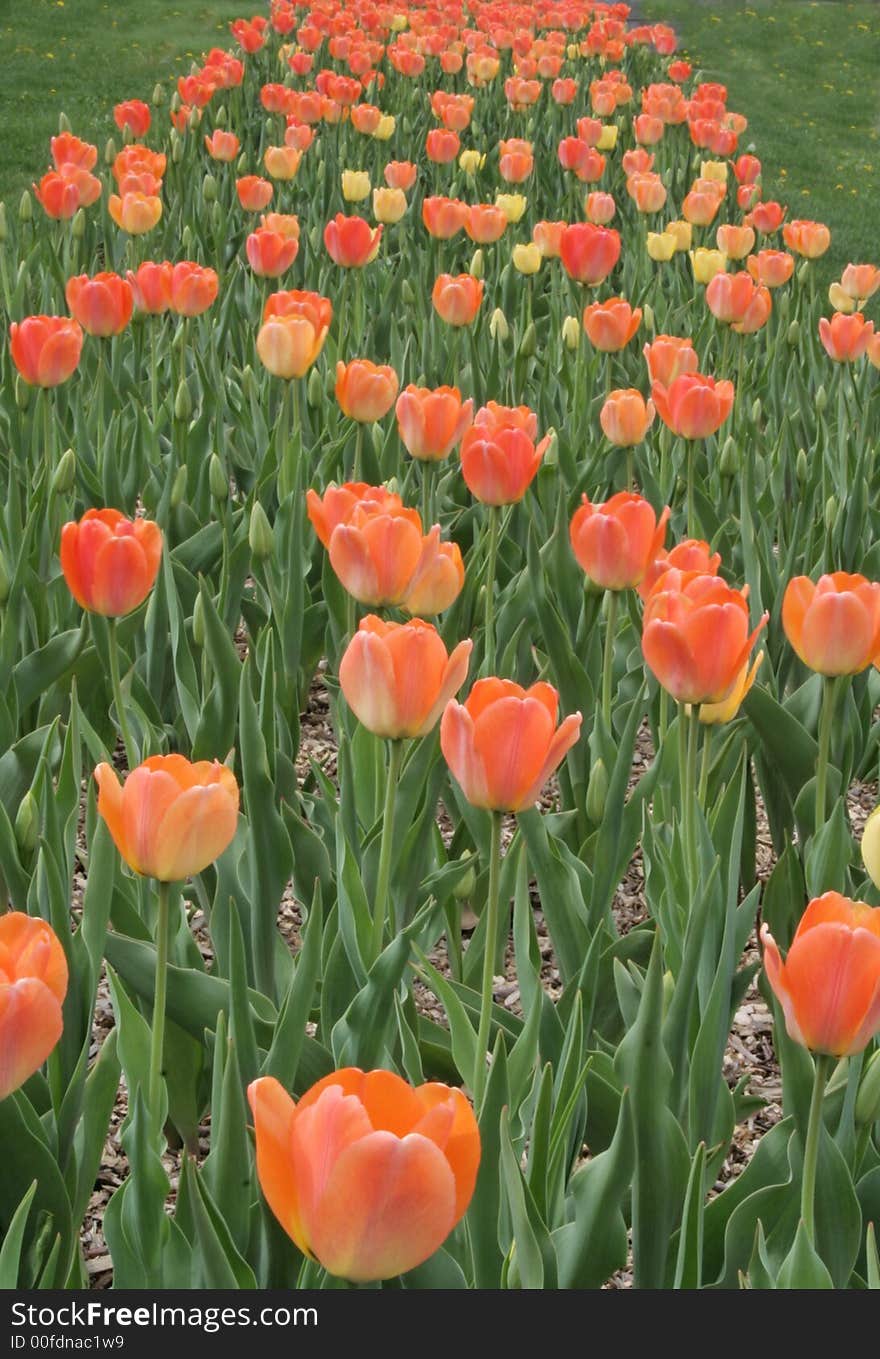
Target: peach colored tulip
{"type": "Point", "coordinates": [547, 236]}
{"type": "Point", "coordinates": [829, 984]}
{"type": "Point", "coordinates": [46, 349]}
{"type": "Point", "coordinates": [282, 163]}
{"type": "Point", "coordinates": [400, 174]}
{"type": "Point", "coordinates": [834, 626]}
{"type": "Point", "coordinates": [611, 325]}
{"type": "Point", "coordinates": [442, 146]}
{"type": "Point", "coordinates": [617, 542]}
{"type": "Point", "coordinates": [845, 338]}
{"type": "Point", "coordinates": [599, 208]}
{"type": "Point", "coordinates": [269, 253]}
{"type": "Point", "coordinates": [457, 299]}
{"type": "Point", "coordinates": [138, 160]}
{"type": "Point", "coordinates": [151, 287]}
{"type": "Point", "coordinates": [70, 150]}
{"type": "Point", "coordinates": [485, 223]}
{"type": "Point", "coordinates": [254, 193]}
{"type": "Point", "coordinates": [431, 422]}
{"type": "Point", "coordinates": [736, 300]}
{"type": "Point", "coordinates": [133, 114]}
{"type": "Point", "coordinates": [193, 288]}
{"type": "Point", "coordinates": [647, 191]}
{"type": "Point", "coordinates": [499, 462]}
{"type": "Point", "coordinates": [860, 281]}
{"type": "Point", "coordinates": [397, 677]}
{"type": "Point", "coordinates": [366, 1174]}
{"type": "Point", "coordinates": [351, 242]}
{"type": "Point", "coordinates": [502, 744]}
{"type": "Point", "coordinates": [692, 556]}
{"type": "Point", "coordinates": [102, 304]}
{"type": "Point", "coordinates": [766, 217]}
{"type": "Point", "coordinates": [136, 213]}
{"type": "Point", "coordinates": [285, 223]}
{"type": "Point", "coordinates": [668, 356]}
{"type": "Point", "coordinates": [222, 146]}
{"type": "Point", "coordinates": [771, 268]}
{"type": "Point", "coordinates": [625, 417]}
{"type": "Point", "coordinates": [589, 252]}
{"type": "Point", "coordinates": [110, 563]}
{"type": "Point", "coordinates": [696, 638]}
{"type": "Point", "coordinates": [365, 391]}
{"type": "Point", "coordinates": [375, 553]}
{"type": "Point", "coordinates": [338, 503]}
{"type": "Point", "coordinates": [33, 984]}
{"type": "Point", "coordinates": [444, 217]}
{"type": "Point", "coordinates": [694, 406]}
{"type": "Point", "coordinates": [810, 239]}
{"type": "Point", "coordinates": [438, 578]}
{"type": "Point", "coordinates": [736, 242]}
{"type": "Point", "coordinates": [57, 195]}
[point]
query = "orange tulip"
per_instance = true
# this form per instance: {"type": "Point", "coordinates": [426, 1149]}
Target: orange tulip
{"type": "Point", "coordinates": [735, 300]}
{"type": "Point", "coordinates": [338, 503]}
{"type": "Point", "coordinates": [694, 406]}
{"type": "Point", "coordinates": [442, 146]}
{"type": "Point", "coordinates": [193, 288]}
{"type": "Point", "coordinates": [110, 563]}
{"type": "Point", "coordinates": [365, 391]}
{"type": "Point", "coordinates": [647, 191]}
{"type": "Point", "coordinates": [626, 417]}
{"type": "Point", "coordinates": [298, 135]}
{"type": "Point", "coordinates": [151, 287]}
{"type": "Point", "coordinates": [254, 193]}
{"type": "Point", "coordinates": [485, 223]}
{"type": "Point", "coordinates": [829, 984]}
{"type": "Point", "coordinates": [648, 129]}
{"type": "Point", "coordinates": [222, 146]}
{"type": "Point", "coordinates": [376, 551]}
{"type": "Point", "coordinates": [366, 1174]}
{"type": "Point", "coordinates": [170, 818]}
{"type": "Point", "coordinates": [637, 161]}
{"type": "Point", "coordinates": [611, 325]}
{"type": "Point", "coordinates": [515, 166]}
{"type": "Point", "coordinates": [600, 208]}
{"type": "Point", "coordinates": [834, 626]}
{"type": "Point", "coordinates": [696, 638]}
{"type": "Point", "coordinates": [70, 150]}
{"type": "Point", "coordinates": [400, 174]}
{"type": "Point", "coordinates": [589, 252]}
{"type": "Point", "coordinates": [397, 677]}
{"type": "Point", "coordinates": [138, 160]}
{"type": "Point", "coordinates": [438, 578]}
{"type": "Point", "coordinates": [290, 340]}
{"type": "Point", "coordinates": [845, 338]}
{"type": "Point", "coordinates": [617, 542]}
{"type": "Point", "coordinates": [269, 253]}
{"type": "Point", "coordinates": [431, 422]}
{"type": "Point", "coordinates": [102, 304]}
{"type": "Point", "coordinates": [766, 217]}
{"type": "Point", "coordinates": [351, 242]}
{"type": "Point", "coordinates": [444, 217]}
{"type": "Point", "coordinates": [668, 357]}
{"type": "Point", "coordinates": [281, 162]}
{"type": "Point", "coordinates": [771, 268]}
{"type": "Point", "coordinates": [457, 300]}
{"type": "Point", "coordinates": [499, 458]}
{"type": "Point", "coordinates": [810, 239]}
{"type": "Point", "coordinates": [33, 984]}
{"type": "Point", "coordinates": [133, 114]}
{"type": "Point", "coordinates": [285, 223]}
{"type": "Point", "coordinates": [735, 241]}
{"type": "Point", "coordinates": [699, 207]}
{"type": "Point", "coordinates": [502, 744]}
{"type": "Point", "coordinates": [57, 195]}
{"type": "Point", "coordinates": [45, 349]}
{"type": "Point", "coordinates": [547, 236]}
{"type": "Point", "coordinates": [860, 281]}
{"type": "Point", "coordinates": [135, 213]}
{"type": "Point", "coordinates": [692, 556]}
{"type": "Point", "coordinates": [365, 118]}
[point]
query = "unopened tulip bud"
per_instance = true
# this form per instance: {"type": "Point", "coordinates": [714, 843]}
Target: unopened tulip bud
{"type": "Point", "coordinates": [27, 823]}
{"type": "Point", "coordinates": [64, 123]}
{"type": "Point", "coordinates": [571, 332]}
{"type": "Point", "coordinates": [784, 305]}
{"type": "Point", "coordinates": [315, 389]}
{"type": "Point", "coordinates": [21, 278]}
{"type": "Point", "coordinates": [248, 382]}
{"type": "Point", "coordinates": [821, 398]}
{"type": "Point", "coordinates": [801, 467]}
{"type": "Point", "coordinates": [186, 240]}
{"type": "Point", "coordinates": [216, 218]}
{"type": "Point", "coordinates": [529, 343]}
{"type": "Point", "coordinates": [195, 117]}
{"type": "Point", "coordinates": [464, 888]}
{"type": "Point", "coordinates": [242, 167]}
{"type": "Point", "coordinates": [803, 272]}
{"type": "Point", "coordinates": [498, 327]}
{"type": "Point", "coordinates": [25, 208]}
{"type": "Point", "coordinates": [729, 462]}
{"type": "Point", "coordinates": [78, 225]}
{"type": "Point", "coordinates": [648, 320]}
{"type": "Point", "coordinates": [668, 990]}
{"type": "Point", "coordinates": [176, 150]}
{"type": "Point", "coordinates": [159, 95]}
{"type": "Point", "coordinates": [407, 293]}
{"type": "Point", "coordinates": [477, 269]}
{"type": "Point", "coordinates": [65, 473]}
{"type": "Point", "coordinates": [220, 117]}
{"type": "Point", "coordinates": [218, 482]}
{"type": "Point", "coordinates": [260, 535]}
{"type": "Point", "coordinates": [127, 135]}
{"type": "Point", "coordinates": [867, 1110]}
{"type": "Point", "coordinates": [209, 189]}
{"type": "Point", "coordinates": [183, 406]}
{"type": "Point", "coordinates": [793, 335]}
{"type": "Point", "coordinates": [756, 410]}
{"type": "Point", "coordinates": [830, 512]}
{"type": "Point", "coordinates": [597, 792]}
{"type": "Point", "coordinates": [178, 489]}
{"type": "Point", "coordinates": [315, 237]}
{"type": "Point", "coordinates": [22, 393]}
{"type": "Point", "coordinates": [175, 102]}
{"type": "Point", "coordinates": [198, 621]}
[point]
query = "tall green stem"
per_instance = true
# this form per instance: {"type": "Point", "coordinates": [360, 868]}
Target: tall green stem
{"type": "Point", "coordinates": [687, 745]}
{"type": "Point", "coordinates": [358, 452]}
{"type": "Point", "coordinates": [608, 660]}
{"type": "Point", "coordinates": [489, 616]}
{"type": "Point", "coordinates": [131, 753]}
{"type": "Point", "coordinates": [489, 939]}
{"type": "Point", "coordinates": [823, 1065]}
{"type": "Point", "coordinates": [829, 702]}
{"type": "Point", "coordinates": [157, 1040]}
{"type": "Point", "coordinates": [380, 909]}
{"type": "Point", "coordinates": [705, 765]}
{"type": "Point", "coordinates": [691, 514]}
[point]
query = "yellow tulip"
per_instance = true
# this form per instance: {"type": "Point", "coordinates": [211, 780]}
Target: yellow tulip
{"type": "Point", "coordinates": [355, 185]}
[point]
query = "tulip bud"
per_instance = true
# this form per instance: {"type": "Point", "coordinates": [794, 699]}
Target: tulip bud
{"type": "Point", "coordinates": [803, 272]}
{"type": "Point", "coordinates": [25, 208]}
{"type": "Point", "coordinates": [176, 150]}
{"type": "Point", "coordinates": [668, 990]}
{"type": "Point", "coordinates": [498, 327]}
{"type": "Point", "coordinates": [248, 382]}
{"type": "Point", "coordinates": [729, 462]}
{"type": "Point", "coordinates": [476, 270]}
{"type": "Point", "coordinates": [801, 467]}
{"type": "Point", "coordinates": [198, 621]}
{"type": "Point", "coordinates": [756, 410]}
{"type": "Point", "coordinates": [217, 480]}
{"type": "Point", "coordinates": [867, 1110]}
{"type": "Point", "coordinates": [27, 823]}
{"type": "Point", "coordinates": [186, 240]}
{"type": "Point", "coordinates": [183, 406]}
{"type": "Point", "coordinates": [3, 227]}
{"type": "Point", "coordinates": [465, 885]}
{"type": "Point", "coordinates": [78, 225]}
{"type": "Point", "coordinates": [127, 136]}
{"type": "Point", "coordinates": [315, 237]}
{"type": "Point", "coordinates": [821, 398]}
{"type": "Point", "coordinates": [109, 151]}
{"type": "Point", "coordinates": [784, 305]}
{"type": "Point", "coordinates": [260, 535]}
{"type": "Point", "coordinates": [793, 335]}
{"type": "Point", "coordinates": [64, 123]}
{"type": "Point", "coordinates": [407, 294]}
{"type": "Point", "coordinates": [216, 218]}
{"type": "Point", "coordinates": [551, 457]}
{"type": "Point", "coordinates": [393, 485]}
{"type": "Point", "coordinates": [315, 389]}
{"type": "Point", "coordinates": [209, 189]}
{"type": "Point", "coordinates": [22, 393]}
{"type": "Point", "coordinates": [830, 512]}
{"type": "Point", "coordinates": [4, 580]}
{"type": "Point", "coordinates": [648, 318]}
{"type": "Point", "coordinates": [65, 473]}
{"type": "Point", "coordinates": [159, 95]}
{"type": "Point", "coordinates": [175, 102]}
{"type": "Point", "coordinates": [178, 489]}
{"type": "Point", "coordinates": [220, 117]}
{"type": "Point", "coordinates": [597, 792]}
{"type": "Point", "coordinates": [571, 332]}
{"type": "Point", "coordinates": [242, 163]}
{"type": "Point", "coordinates": [529, 343]}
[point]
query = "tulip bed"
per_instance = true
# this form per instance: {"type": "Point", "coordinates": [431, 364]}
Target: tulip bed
{"type": "Point", "coordinates": [446, 371]}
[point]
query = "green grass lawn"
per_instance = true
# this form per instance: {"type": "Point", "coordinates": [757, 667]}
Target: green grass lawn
{"type": "Point", "coordinates": [84, 56]}
{"type": "Point", "coordinates": [806, 73]}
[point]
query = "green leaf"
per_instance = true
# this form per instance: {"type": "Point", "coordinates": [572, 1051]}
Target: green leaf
{"type": "Point", "coordinates": [10, 1251]}
{"type": "Point", "coordinates": [802, 1267]}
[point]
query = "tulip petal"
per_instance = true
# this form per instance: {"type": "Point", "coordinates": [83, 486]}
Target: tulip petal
{"type": "Point", "coordinates": [454, 677]}
{"type": "Point", "coordinates": [274, 1114]}
{"type": "Point", "coordinates": [30, 1026]}
{"type": "Point", "coordinates": [512, 738]}
{"type": "Point", "coordinates": [194, 831]}
{"type": "Point", "coordinates": [563, 739]}
{"type": "Point", "coordinates": [832, 974]}
{"type": "Point", "coordinates": [366, 676]}
{"type": "Point", "coordinates": [457, 744]}
{"type": "Point", "coordinates": [461, 1141]}
{"type": "Point", "coordinates": [146, 797]}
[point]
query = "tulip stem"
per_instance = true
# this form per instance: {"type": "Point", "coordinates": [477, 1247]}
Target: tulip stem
{"type": "Point", "coordinates": [131, 754]}
{"type": "Point", "coordinates": [705, 766]}
{"type": "Point", "coordinates": [157, 1039]}
{"type": "Point", "coordinates": [380, 909]}
{"type": "Point", "coordinates": [608, 660]}
{"type": "Point", "coordinates": [358, 451]}
{"type": "Point", "coordinates": [154, 380]}
{"type": "Point", "coordinates": [489, 617]}
{"type": "Point", "coordinates": [489, 939]}
{"type": "Point", "coordinates": [823, 1064]}
{"type": "Point", "coordinates": [829, 702]}
{"type": "Point", "coordinates": [691, 516]}
{"type": "Point", "coordinates": [687, 744]}
{"type": "Point", "coordinates": [427, 495]}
